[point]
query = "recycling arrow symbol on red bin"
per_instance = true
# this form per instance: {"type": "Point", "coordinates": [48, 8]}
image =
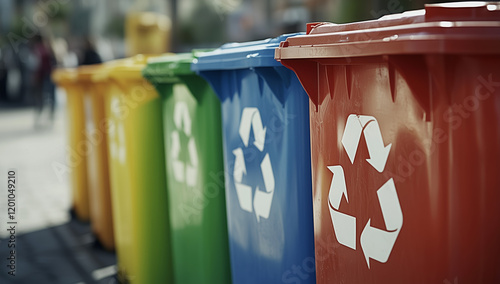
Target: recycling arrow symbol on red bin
{"type": "Point", "coordinates": [262, 200]}
{"type": "Point", "coordinates": [376, 243]}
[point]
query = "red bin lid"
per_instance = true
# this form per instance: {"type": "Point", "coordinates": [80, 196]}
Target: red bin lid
{"type": "Point", "coordinates": [451, 28]}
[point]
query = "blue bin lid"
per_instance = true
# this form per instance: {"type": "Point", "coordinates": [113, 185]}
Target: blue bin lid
{"type": "Point", "coordinates": [232, 56]}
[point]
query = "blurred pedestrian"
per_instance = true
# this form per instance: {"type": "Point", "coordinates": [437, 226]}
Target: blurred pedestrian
{"type": "Point", "coordinates": [44, 88]}
{"type": "Point", "coordinates": [3, 75]}
{"type": "Point", "coordinates": [90, 55]}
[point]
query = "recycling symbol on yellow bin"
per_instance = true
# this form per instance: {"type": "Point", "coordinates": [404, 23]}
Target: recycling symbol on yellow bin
{"type": "Point", "coordinates": [117, 132]}
{"type": "Point", "coordinates": [260, 203]}
{"type": "Point", "coordinates": [376, 243]}
{"type": "Point", "coordinates": [183, 172]}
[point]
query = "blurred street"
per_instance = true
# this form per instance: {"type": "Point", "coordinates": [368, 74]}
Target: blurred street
{"type": "Point", "coordinates": [50, 246]}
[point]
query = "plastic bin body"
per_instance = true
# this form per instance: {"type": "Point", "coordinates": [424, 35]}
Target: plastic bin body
{"type": "Point", "coordinates": [195, 173]}
{"type": "Point", "coordinates": [407, 117]}
{"type": "Point", "coordinates": [88, 151]}
{"type": "Point", "coordinates": [101, 213]}
{"type": "Point", "coordinates": [99, 192]}
{"type": "Point", "coordinates": [77, 140]}
{"type": "Point", "coordinates": [266, 154]}
{"type": "Point", "coordinates": [137, 172]}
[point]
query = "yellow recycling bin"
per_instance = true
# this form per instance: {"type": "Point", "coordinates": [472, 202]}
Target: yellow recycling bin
{"type": "Point", "coordinates": [101, 215]}
{"type": "Point", "coordinates": [68, 79]}
{"type": "Point", "coordinates": [137, 171]}
{"type": "Point", "coordinates": [88, 142]}
{"type": "Point", "coordinates": [147, 32]}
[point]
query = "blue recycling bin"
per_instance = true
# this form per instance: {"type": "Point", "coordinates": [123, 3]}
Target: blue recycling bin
{"type": "Point", "coordinates": [265, 125]}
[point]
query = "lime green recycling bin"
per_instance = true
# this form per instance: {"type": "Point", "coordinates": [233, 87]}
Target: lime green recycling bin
{"type": "Point", "coordinates": [137, 170]}
{"type": "Point", "coordinates": [195, 173]}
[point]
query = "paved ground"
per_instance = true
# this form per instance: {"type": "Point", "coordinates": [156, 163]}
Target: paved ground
{"type": "Point", "coordinates": [51, 247]}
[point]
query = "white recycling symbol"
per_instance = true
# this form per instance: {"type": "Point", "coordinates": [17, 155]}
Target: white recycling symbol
{"type": "Point", "coordinates": [376, 243]}
{"type": "Point", "coordinates": [183, 172]}
{"type": "Point", "coordinates": [262, 199]}
{"type": "Point", "coordinates": [117, 133]}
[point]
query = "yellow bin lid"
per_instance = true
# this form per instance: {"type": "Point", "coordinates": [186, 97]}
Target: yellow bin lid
{"type": "Point", "coordinates": [64, 76]}
{"type": "Point", "coordinates": [86, 72]}
{"type": "Point", "coordinates": [82, 74]}
{"type": "Point", "coordinates": [123, 69]}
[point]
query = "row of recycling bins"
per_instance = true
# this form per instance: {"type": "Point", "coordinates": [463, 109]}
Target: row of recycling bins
{"type": "Point", "coordinates": [374, 161]}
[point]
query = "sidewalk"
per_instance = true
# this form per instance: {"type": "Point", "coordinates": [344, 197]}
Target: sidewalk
{"type": "Point", "coordinates": [51, 247]}
{"type": "Point", "coordinates": [42, 199]}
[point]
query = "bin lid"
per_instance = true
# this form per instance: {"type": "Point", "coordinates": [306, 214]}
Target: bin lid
{"type": "Point", "coordinates": [240, 55]}
{"type": "Point", "coordinates": [451, 28]}
{"type": "Point", "coordinates": [80, 75]}
{"type": "Point", "coordinates": [64, 76]}
{"type": "Point", "coordinates": [165, 69]}
{"type": "Point", "coordinates": [122, 69]}
{"type": "Point", "coordinates": [86, 72]}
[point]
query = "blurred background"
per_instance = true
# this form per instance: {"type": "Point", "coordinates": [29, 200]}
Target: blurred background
{"type": "Point", "coordinates": [37, 36]}
{"type": "Point", "coordinates": [118, 28]}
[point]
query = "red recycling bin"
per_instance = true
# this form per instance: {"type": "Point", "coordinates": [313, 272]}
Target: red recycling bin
{"type": "Point", "coordinates": [405, 137]}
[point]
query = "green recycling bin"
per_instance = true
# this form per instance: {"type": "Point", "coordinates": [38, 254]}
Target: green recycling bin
{"type": "Point", "coordinates": [194, 170]}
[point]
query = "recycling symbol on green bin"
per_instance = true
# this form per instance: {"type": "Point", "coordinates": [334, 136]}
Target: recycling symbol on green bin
{"type": "Point", "coordinates": [376, 243]}
{"type": "Point", "coordinates": [183, 171]}
{"type": "Point", "coordinates": [260, 203]}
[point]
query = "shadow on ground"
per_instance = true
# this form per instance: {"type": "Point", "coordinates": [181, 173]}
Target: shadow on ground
{"type": "Point", "coordinates": [64, 254]}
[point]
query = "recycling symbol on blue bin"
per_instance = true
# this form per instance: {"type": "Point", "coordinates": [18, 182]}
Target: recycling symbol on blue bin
{"type": "Point", "coordinates": [376, 243]}
{"type": "Point", "coordinates": [260, 202]}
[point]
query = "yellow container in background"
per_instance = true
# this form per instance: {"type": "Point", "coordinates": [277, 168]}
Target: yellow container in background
{"type": "Point", "coordinates": [147, 33]}
{"type": "Point", "coordinates": [137, 172]}
{"type": "Point", "coordinates": [78, 146]}
{"type": "Point", "coordinates": [88, 141]}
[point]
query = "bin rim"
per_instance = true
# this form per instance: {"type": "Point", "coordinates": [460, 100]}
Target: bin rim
{"type": "Point", "coordinates": [129, 68]}
{"type": "Point", "coordinates": [75, 75]}
{"type": "Point", "coordinates": [166, 68]}
{"type": "Point", "coordinates": [259, 53]}
{"type": "Point", "coordinates": [449, 28]}
{"type": "Point", "coordinates": [85, 72]}
{"type": "Point", "coordinates": [64, 76]}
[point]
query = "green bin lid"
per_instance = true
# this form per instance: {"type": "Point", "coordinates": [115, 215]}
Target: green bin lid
{"type": "Point", "coordinates": [167, 69]}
